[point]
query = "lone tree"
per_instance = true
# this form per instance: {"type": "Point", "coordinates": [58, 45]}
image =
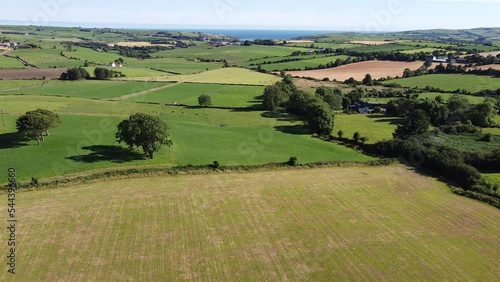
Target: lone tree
{"type": "Point", "coordinates": [53, 119]}
{"type": "Point", "coordinates": [33, 125]}
{"type": "Point", "coordinates": [143, 131]}
{"type": "Point", "coordinates": [356, 137]}
{"type": "Point", "coordinates": [204, 100]}
{"type": "Point", "coordinates": [368, 80]}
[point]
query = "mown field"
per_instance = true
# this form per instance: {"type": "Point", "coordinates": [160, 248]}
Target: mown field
{"type": "Point", "coordinates": [86, 139]}
{"type": "Point", "coordinates": [278, 225]}
{"type": "Point", "coordinates": [221, 95]}
{"type": "Point", "coordinates": [450, 82]}
{"type": "Point", "coordinates": [238, 76]}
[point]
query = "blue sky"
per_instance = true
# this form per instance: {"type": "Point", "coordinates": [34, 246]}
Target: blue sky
{"type": "Point", "coordinates": [358, 15]}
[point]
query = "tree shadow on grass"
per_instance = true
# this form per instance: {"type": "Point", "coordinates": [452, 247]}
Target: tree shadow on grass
{"type": "Point", "coordinates": [103, 153]}
{"type": "Point", "coordinates": [12, 140]}
{"type": "Point", "coordinates": [384, 118]}
{"type": "Point", "coordinates": [280, 116]}
{"type": "Point", "coordinates": [299, 129]}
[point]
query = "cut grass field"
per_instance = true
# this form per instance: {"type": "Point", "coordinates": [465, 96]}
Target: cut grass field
{"type": "Point", "coordinates": [221, 95]}
{"type": "Point", "coordinates": [220, 76]}
{"type": "Point", "coordinates": [86, 139]}
{"type": "Point", "coordinates": [88, 88]}
{"type": "Point", "coordinates": [277, 225]}
{"type": "Point", "coordinates": [377, 69]}
{"type": "Point", "coordinates": [375, 127]}
{"type": "Point", "coordinates": [450, 82]}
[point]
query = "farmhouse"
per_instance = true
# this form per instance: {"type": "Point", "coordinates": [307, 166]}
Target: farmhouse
{"type": "Point", "coordinates": [364, 107]}
{"type": "Point", "coordinates": [115, 65]}
{"type": "Point", "coordinates": [437, 59]}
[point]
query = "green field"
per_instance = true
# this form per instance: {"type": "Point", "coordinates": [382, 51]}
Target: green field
{"type": "Point", "coordinates": [221, 95]}
{"type": "Point", "coordinates": [7, 85]}
{"type": "Point", "coordinates": [220, 76]}
{"type": "Point", "coordinates": [45, 58]}
{"type": "Point", "coordinates": [294, 225]}
{"type": "Point", "coordinates": [495, 177]}
{"type": "Point", "coordinates": [174, 65]}
{"type": "Point", "coordinates": [450, 82]}
{"type": "Point", "coordinates": [467, 143]}
{"type": "Point", "coordinates": [426, 50]}
{"type": "Point", "coordinates": [232, 54]}
{"type": "Point", "coordinates": [431, 96]}
{"type": "Point", "coordinates": [131, 72]}
{"type": "Point", "coordinates": [200, 136]}
{"type": "Point", "coordinates": [375, 127]}
{"type": "Point", "coordinates": [382, 48]}
{"type": "Point", "coordinates": [88, 88]}
{"type": "Point", "coordinates": [10, 63]}
{"type": "Point", "coordinates": [311, 63]}
{"type": "Point", "coordinates": [90, 55]}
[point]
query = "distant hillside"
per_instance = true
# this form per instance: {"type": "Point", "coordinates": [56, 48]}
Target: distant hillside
{"type": "Point", "coordinates": [477, 35]}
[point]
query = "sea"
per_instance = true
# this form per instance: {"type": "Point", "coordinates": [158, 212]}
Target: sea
{"type": "Point", "coordinates": [242, 34]}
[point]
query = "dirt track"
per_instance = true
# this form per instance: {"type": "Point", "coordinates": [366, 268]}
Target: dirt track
{"type": "Point", "coordinates": [377, 69]}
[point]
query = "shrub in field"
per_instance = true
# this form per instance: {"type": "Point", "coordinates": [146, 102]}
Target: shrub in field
{"type": "Point", "coordinates": [204, 100]}
{"type": "Point", "coordinates": [292, 161]}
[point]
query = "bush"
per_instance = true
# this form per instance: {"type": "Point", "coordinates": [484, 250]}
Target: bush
{"type": "Point", "coordinates": [216, 165]}
{"type": "Point", "coordinates": [292, 161]}
{"type": "Point", "coordinates": [34, 182]}
{"type": "Point", "coordinates": [487, 138]}
{"type": "Point", "coordinates": [204, 100]}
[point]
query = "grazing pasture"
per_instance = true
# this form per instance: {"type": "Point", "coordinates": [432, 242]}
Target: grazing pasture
{"type": "Point", "coordinates": [221, 95]}
{"type": "Point", "coordinates": [377, 69]}
{"type": "Point", "coordinates": [368, 223]}
{"type": "Point", "coordinates": [86, 139]}
{"type": "Point", "coordinates": [45, 58]}
{"type": "Point", "coordinates": [10, 63]}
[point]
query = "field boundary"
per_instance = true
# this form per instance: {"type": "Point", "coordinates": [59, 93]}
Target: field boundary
{"type": "Point", "coordinates": [127, 173]}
